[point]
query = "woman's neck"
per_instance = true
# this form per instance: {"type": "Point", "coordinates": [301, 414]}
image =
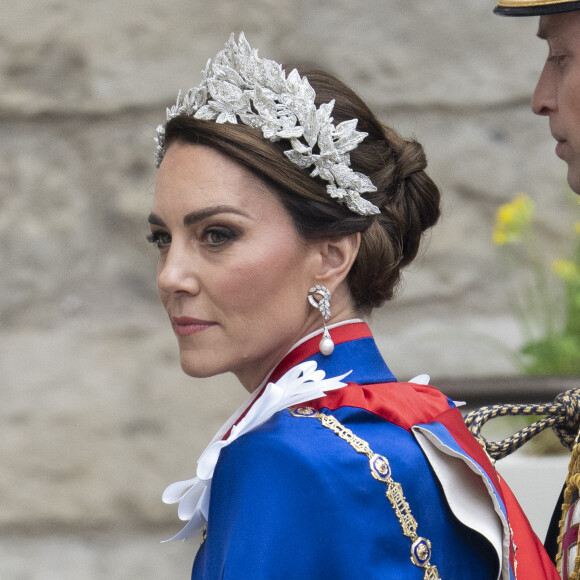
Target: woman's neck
{"type": "Point", "coordinates": [297, 344]}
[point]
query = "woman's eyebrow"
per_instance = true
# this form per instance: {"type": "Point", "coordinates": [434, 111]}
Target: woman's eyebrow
{"type": "Point", "coordinates": [197, 216]}
{"type": "Point", "coordinates": [207, 212]}
{"type": "Point", "coordinates": [155, 220]}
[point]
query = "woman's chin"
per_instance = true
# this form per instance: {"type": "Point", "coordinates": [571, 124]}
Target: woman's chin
{"type": "Point", "coordinates": [199, 366]}
{"type": "Point", "coordinates": [198, 372]}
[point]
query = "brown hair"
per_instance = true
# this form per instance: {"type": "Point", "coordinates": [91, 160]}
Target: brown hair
{"type": "Point", "coordinates": [407, 197]}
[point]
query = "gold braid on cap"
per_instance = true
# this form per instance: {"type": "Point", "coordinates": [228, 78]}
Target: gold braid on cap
{"type": "Point", "coordinates": [530, 3]}
{"type": "Point", "coordinates": [240, 86]}
{"type": "Point", "coordinates": [535, 7]}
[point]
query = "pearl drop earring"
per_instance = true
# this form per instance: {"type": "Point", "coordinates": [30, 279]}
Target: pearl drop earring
{"type": "Point", "coordinates": [326, 346]}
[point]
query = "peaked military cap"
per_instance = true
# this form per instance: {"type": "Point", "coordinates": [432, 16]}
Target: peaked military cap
{"type": "Point", "coordinates": [535, 7]}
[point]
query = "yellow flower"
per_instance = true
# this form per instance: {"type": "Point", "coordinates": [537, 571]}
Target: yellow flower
{"type": "Point", "coordinates": [567, 270]}
{"type": "Point", "coordinates": [513, 219]}
{"type": "Point", "coordinates": [498, 237]}
{"type": "Point", "coordinates": [506, 213]}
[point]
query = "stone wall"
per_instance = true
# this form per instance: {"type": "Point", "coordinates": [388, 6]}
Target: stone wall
{"type": "Point", "coordinates": [96, 417]}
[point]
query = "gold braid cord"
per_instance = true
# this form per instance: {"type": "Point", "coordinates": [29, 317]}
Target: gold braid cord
{"type": "Point", "coordinates": [562, 415]}
{"type": "Point", "coordinates": [571, 488]}
{"type": "Point", "coordinates": [381, 471]}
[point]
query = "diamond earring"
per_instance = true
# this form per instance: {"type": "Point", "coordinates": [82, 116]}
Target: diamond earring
{"type": "Point", "coordinates": [326, 346]}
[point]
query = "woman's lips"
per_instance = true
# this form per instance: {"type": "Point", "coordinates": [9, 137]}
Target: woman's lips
{"type": "Point", "coordinates": [184, 326]}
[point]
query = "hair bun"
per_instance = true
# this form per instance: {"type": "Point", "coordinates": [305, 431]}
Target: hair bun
{"type": "Point", "coordinates": [411, 159]}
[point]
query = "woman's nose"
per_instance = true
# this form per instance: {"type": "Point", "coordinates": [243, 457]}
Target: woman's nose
{"type": "Point", "coordinates": [176, 273]}
{"type": "Point", "coordinates": [544, 99]}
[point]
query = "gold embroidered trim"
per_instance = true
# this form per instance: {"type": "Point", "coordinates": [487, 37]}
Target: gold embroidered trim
{"type": "Point", "coordinates": [514, 553]}
{"type": "Point", "coordinates": [381, 470]}
{"type": "Point", "coordinates": [530, 3]}
{"type": "Point", "coordinates": [572, 485]}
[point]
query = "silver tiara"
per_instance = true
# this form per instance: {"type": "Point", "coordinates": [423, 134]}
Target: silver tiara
{"type": "Point", "coordinates": [239, 85]}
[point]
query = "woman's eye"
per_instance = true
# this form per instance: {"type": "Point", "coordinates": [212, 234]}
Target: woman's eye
{"type": "Point", "coordinates": [159, 238]}
{"type": "Point", "coordinates": [218, 236]}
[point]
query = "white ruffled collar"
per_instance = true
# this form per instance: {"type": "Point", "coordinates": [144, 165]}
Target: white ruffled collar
{"type": "Point", "coordinates": [300, 384]}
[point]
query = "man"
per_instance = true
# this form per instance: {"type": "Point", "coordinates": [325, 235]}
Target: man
{"type": "Point", "coordinates": [557, 94]}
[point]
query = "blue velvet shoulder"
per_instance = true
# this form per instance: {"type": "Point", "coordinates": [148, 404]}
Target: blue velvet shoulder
{"type": "Point", "coordinates": [292, 500]}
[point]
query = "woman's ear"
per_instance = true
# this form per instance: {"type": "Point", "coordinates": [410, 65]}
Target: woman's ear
{"type": "Point", "coordinates": [337, 256]}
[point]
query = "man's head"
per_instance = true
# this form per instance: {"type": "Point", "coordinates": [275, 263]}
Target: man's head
{"type": "Point", "coordinates": [557, 94]}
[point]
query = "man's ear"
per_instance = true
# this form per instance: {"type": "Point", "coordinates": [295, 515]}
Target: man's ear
{"type": "Point", "coordinates": [337, 256]}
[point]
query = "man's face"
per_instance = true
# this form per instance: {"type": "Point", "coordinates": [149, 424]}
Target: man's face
{"type": "Point", "coordinates": [557, 94]}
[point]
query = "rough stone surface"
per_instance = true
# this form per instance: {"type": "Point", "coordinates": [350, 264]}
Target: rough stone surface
{"type": "Point", "coordinates": [96, 416]}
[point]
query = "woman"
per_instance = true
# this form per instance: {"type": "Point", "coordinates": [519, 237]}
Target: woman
{"type": "Point", "coordinates": [283, 212]}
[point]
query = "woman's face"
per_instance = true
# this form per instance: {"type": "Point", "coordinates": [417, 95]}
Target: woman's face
{"type": "Point", "coordinates": [233, 272]}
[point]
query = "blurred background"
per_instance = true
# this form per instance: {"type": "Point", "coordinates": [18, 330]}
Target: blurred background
{"type": "Point", "coordinates": [96, 416]}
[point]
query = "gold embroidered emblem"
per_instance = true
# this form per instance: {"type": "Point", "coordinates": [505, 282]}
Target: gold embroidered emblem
{"type": "Point", "coordinates": [381, 470]}
{"type": "Point", "coordinates": [302, 411]}
{"type": "Point", "coordinates": [420, 551]}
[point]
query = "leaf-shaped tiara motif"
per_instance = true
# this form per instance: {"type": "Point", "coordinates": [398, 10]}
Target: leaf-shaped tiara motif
{"type": "Point", "coordinates": [240, 86]}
